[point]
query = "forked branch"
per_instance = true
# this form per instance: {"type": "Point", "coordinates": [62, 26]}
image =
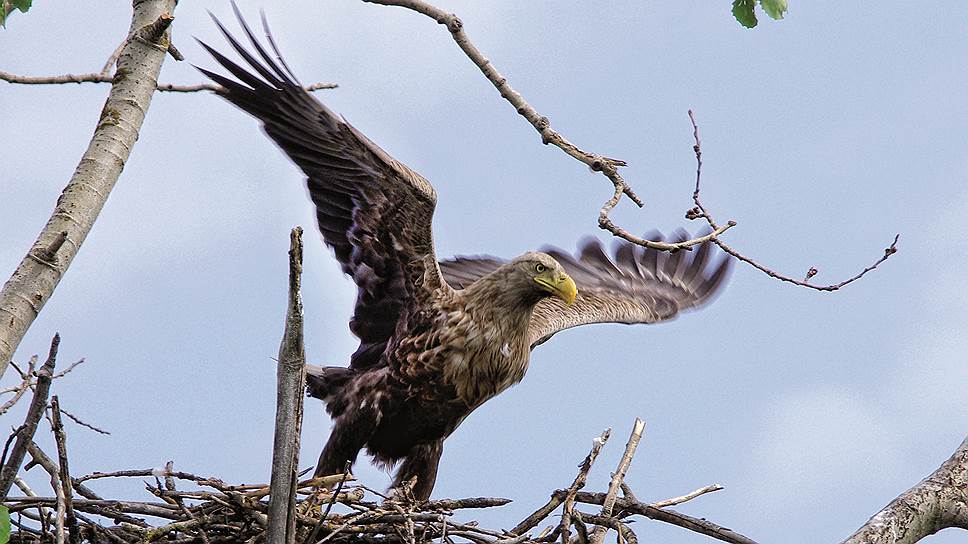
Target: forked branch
{"type": "Point", "coordinates": [600, 163]}
{"type": "Point", "coordinates": [700, 212]}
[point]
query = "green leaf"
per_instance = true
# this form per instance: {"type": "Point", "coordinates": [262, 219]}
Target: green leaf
{"type": "Point", "coordinates": [4, 525]}
{"type": "Point", "coordinates": [774, 8]}
{"type": "Point", "coordinates": [743, 11]}
{"type": "Point", "coordinates": [7, 7]}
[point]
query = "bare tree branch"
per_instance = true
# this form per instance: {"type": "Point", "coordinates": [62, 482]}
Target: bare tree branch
{"type": "Point", "coordinates": [29, 383]}
{"type": "Point", "coordinates": [18, 390]}
{"type": "Point", "coordinates": [290, 385]}
{"type": "Point", "coordinates": [38, 274]}
{"type": "Point", "coordinates": [25, 434]}
{"type": "Point", "coordinates": [60, 438]}
{"type": "Point", "coordinates": [700, 211]}
{"type": "Point", "coordinates": [113, 59]}
{"type": "Point", "coordinates": [598, 163]}
{"type": "Point", "coordinates": [605, 165]}
{"type": "Point", "coordinates": [39, 457]}
{"type": "Point", "coordinates": [104, 77]}
{"type": "Point", "coordinates": [679, 519]}
{"type": "Point", "coordinates": [684, 498]}
{"type": "Point", "coordinates": [569, 500]}
{"type": "Point", "coordinates": [938, 502]}
{"type": "Point", "coordinates": [618, 477]}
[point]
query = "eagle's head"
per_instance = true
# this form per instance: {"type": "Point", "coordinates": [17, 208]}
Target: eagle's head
{"type": "Point", "coordinates": [540, 275]}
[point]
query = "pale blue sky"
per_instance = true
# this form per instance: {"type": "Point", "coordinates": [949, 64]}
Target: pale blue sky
{"type": "Point", "coordinates": [823, 135]}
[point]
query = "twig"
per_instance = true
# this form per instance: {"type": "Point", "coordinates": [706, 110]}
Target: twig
{"type": "Point", "coordinates": [27, 384]}
{"type": "Point", "coordinates": [113, 59]}
{"type": "Point", "coordinates": [687, 497]}
{"type": "Point", "coordinates": [584, 469]}
{"type": "Point", "coordinates": [77, 420]}
{"type": "Point", "coordinates": [598, 163]}
{"type": "Point", "coordinates": [625, 532]}
{"type": "Point", "coordinates": [538, 515]}
{"type": "Point", "coordinates": [99, 506]}
{"type": "Point", "coordinates": [68, 370]}
{"type": "Point", "coordinates": [22, 485]}
{"type": "Point", "coordinates": [315, 532]}
{"type": "Point", "coordinates": [290, 384]}
{"type": "Point", "coordinates": [25, 434]}
{"type": "Point", "coordinates": [60, 505]}
{"type": "Point", "coordinates": [460, 504]}
{"type": "Point", "coordinates": [60, 438]}
{"type": "Point", "coordinates": [700, 211]}
{"type": "Point", "coordinates": [108, 78]}
{"type": "Point", "coordinates": [618, 477]}
{"type": "Point", "coordinates": [181, 475]}
{"type": "Point", "coordinates": [19, 390]}
{"type": "Point", "coordinates": [39, 457]}
{"type": "Point", "coordinates": [578, 522]}
{"type": "Point", "coordinates": [701, 526]}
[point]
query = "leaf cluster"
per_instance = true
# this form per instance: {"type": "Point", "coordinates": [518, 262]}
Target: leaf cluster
{"type": "Point", "coordinates": [7, 7]}
{"type": "Point", "coordinates": [745, 13]}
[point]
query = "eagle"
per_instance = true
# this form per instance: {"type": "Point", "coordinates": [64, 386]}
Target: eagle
{"type": "Point", "coordinates": [437, 338]}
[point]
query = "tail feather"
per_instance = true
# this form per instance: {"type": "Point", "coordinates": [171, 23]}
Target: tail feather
{"type": "Point", "coordinates": [325, 383]}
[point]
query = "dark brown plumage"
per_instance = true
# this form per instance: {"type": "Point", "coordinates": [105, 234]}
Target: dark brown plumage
{"type": "Point", "coordinates": [436, 339]}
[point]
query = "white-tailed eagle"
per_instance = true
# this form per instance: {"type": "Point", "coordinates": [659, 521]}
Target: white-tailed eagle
{"type": "Point", "coordinates": [437, 339]}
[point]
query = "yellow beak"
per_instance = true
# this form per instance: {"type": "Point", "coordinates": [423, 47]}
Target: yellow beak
{"type": "Point", "coordinates": [561, 286]}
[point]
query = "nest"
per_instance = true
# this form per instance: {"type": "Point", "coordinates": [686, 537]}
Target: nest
{"type": "Point", "coordinates": [188, 508]}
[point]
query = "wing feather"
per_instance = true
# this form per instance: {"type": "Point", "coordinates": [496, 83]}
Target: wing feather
{"type": "Point", "coordinates": [634, 285]}
{"type": "Point", "coordinates": [373, 211]}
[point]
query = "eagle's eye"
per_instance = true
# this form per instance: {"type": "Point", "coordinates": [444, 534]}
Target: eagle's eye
{"type": "Point", "coordinates": [539, 268]}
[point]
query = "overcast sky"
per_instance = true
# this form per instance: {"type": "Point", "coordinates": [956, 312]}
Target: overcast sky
{"type": "Point", "coordinates": [823, 136]}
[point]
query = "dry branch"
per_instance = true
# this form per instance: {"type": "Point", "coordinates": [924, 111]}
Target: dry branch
{"type": "Point", "coordinates": [104, 77]}
{"type": "Point", "coordinates": [684, 498]}
{"type": "Point", "coordinates": [579, 483]}
{"type": "Point", "coordinates": [290, 384]}
{"type": "Point", "coordinates": [64, 474]}
{"type": "Point", "coordinates": [26, 383]}
{"type": "Point", "coordinates": [598, 163]}
{"type": "Point", "coordinates": [938, 502]}
{"type": "Point", "coordinates": [215, 511]}
{"type": "Point", "coordinates": [25, 433]}
{"type": "Point", "coordinates": [700, 211]}
{"type": "Point", "coordinates": [618, 477]}
{"type": "Point", "coordinates": [672, 517]}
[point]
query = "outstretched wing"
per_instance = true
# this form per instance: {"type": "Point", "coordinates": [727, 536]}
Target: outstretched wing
{"type": "Point", "coordinates": [372, 210]}
{"type": "Point", "coordinates": [637, 285]}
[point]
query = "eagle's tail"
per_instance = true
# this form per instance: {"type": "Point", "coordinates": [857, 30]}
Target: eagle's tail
{"type": "Point", "coordinates": [325, 383]}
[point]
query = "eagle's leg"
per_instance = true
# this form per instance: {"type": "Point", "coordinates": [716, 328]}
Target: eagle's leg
{"type": "Point", "coordinates": [422, 464]}
{"type": "Point", "coordinates": [350, 433]}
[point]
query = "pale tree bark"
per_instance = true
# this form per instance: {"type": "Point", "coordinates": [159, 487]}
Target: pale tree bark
{"type": "Point", "coordinates": [290, 392]}
{"type": "Point", "coordinates": [938, 502]}
{"type": "Point", "coordinates": [38, 274]}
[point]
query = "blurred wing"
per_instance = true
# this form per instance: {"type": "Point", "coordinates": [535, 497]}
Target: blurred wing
{"type": "Point", "coordinates": [462, 271]}
{"type": "Point", "coordinates": [637, 285]}
{"type": "Point", "coordinates": [372, 210]}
